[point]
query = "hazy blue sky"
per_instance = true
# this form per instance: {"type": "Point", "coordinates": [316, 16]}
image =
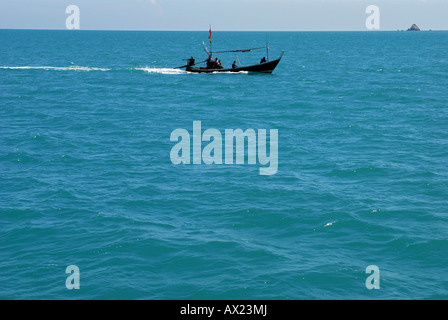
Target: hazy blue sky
{"type": "Point", "coordinates": [306, 15]}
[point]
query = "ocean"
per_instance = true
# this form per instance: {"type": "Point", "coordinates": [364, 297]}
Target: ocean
{"type": "Point", "coordinates": [87, 180]}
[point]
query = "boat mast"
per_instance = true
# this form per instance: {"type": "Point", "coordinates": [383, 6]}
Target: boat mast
{"type": "Point", "coordinates": [210, 38]}
{"type": "Point", "coordinates": [267, 48]}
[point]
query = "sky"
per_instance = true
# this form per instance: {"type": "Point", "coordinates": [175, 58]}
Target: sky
{"type": "Point", "coordinates": [224, 15]}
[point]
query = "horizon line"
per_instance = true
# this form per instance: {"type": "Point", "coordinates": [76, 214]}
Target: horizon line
{"type": "Point", "coordinates": [161, 30]}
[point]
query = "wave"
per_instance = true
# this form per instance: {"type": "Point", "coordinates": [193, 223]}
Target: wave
{"type": "Point", "coordinates": [71, 68]}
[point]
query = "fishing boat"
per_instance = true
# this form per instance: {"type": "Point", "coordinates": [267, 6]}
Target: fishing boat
{"type": "Point", "coordinates": [265, 65]}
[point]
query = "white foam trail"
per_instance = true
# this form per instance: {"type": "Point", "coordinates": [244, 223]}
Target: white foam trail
{"type": "Point", "coordinates": [231, 72]}
{"type": "Point", "coordinates": [72, 68]}
{"type": "Point", "coordinates": [179, 71]}
{"type": "Point", "coordinates": [87, 69]}
{"type": "Point", "coordinates": [162, 70]}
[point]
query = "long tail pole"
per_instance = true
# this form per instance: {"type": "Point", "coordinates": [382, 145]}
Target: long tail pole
{"type": "Point", "coordinates": [188, 65]}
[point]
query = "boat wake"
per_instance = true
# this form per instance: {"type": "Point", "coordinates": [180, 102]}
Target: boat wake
{"type": "Point", "coordinates": [71, 68]}
{"type": "Point", "coordinates": [162, 70]}
{"type": "Point", "coordinates": [90, 69]}
{"type": "Point", "coordinates": [230, 72]}
{"type": "Point", "coordinates": [87, 69]}
{"type": "Point", "coordinates": [178, 71]}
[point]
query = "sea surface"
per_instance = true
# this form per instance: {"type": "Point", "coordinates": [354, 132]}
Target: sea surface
{"type": "Point", "coordinates": [86, 177]}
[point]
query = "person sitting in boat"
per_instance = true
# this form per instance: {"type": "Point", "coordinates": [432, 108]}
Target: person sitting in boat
{"type": "Point", "coordinates": [234, 66]}
{"type": "Point", "coordinates": [191, 62]}
{"type": "Point", "coordinates": [263, 60]}
{"type": "Point", "coordinates": [210, 62]}
{"type": "Point", "coordinates": [219, 66]}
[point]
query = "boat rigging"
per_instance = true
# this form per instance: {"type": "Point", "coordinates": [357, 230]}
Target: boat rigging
{"type": "Point", "coordinates": [212, 66]}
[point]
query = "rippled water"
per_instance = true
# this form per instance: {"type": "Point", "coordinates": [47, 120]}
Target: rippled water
{"type": "Point", "coordinates": [86, 177]}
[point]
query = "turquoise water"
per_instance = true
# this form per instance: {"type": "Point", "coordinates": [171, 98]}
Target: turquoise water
{"type": "Point", "coordinates": [86, 177]}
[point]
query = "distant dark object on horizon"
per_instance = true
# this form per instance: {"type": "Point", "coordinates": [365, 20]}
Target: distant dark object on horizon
{"type": "Point", "coordinates": [414, 27]}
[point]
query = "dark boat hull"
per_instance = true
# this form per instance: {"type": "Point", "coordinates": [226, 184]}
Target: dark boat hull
{"type": "Point", "coordinates": [267, 67]}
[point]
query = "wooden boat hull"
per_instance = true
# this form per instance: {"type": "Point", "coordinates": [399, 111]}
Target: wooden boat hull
{"type": "Point", "coordinates": [267, 67]}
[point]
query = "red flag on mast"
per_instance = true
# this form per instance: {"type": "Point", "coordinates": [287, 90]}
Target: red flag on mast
{"type": "Point", "coordinates": [210, 33]}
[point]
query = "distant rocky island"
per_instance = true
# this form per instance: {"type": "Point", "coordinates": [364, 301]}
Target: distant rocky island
{"type": "Point", "coordinates": [414, 27]}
